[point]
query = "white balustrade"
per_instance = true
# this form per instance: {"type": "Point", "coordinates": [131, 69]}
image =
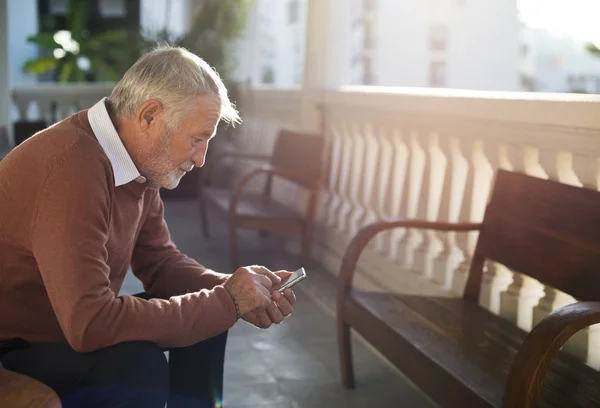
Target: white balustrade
{"type": "Point", "coordinates": [52, 102]}
{"type": "Point", "coordinates": [432, 154]}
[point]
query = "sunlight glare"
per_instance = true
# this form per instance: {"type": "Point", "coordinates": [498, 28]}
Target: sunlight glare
{"type": "Point", "coordinates": [577, 19]}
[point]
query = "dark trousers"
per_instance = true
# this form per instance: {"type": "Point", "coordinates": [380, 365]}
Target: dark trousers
{"type": "Point", "coordinates": [130, 374]}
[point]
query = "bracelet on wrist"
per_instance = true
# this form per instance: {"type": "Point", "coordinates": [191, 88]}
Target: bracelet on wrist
{"type": "Point", "coordinates": [237, 307]}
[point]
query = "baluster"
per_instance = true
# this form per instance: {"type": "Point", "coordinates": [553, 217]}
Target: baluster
{"type": "Point", "coordinates": [586, 170]}
{"type": "Point", "coordinates": [64, 109]}
{"type": "Point", "coordinates": [517, 302]}
{"type": "Point", "coordinates": [357, 173]}
{"type": "Point", "coordinates": [418, 183]}
{"type": "Point", "coordinates": [461, 210]}
{"type": "Point", "coordinates": [336, 173]}
{"type": "Point", "coordinates": [496, 277]}
{"type": "Point", "coordinates": [380, 208]}
{"type": "Point", "coordinates": [437, 201]}
{"type": "Point", "coordinates": [370, 176]}
{"type": "Point", "coordinates": [22, 103]}
{"type": "Point", "coordinates": [344, 208]}
{"type": "Point", "coordinates": [327, 188]}
{"type": "Point", "coordinates": [446, 263]}
{"type": "Point", "coordinates": [584, 345]}
{"type": "Point", "coordinates": [552, 298]}
{"type": "Point", "coordinates": [397, 198]}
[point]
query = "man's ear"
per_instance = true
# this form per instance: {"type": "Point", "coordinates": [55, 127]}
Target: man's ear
{"type": "Point", "coordinates": [147, 114]}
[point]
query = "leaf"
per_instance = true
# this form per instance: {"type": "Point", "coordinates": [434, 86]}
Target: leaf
{"type": "Point", "coordinates": [65, 72]}
{"type": "Point", "coordinates": [45, 40]}
{"type": "Point", "coordinates": [79, 75]}
{"type": "Point", "coordinates": [104, 70]}
{"type": "Point", "coordinates": [40, 65]}
{"type": "Point", "coordinates": [108, 37]}
{"type": "Point", "coordinates": [77, 18]}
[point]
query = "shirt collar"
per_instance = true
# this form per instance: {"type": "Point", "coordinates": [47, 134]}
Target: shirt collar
{"type": "Point", "coordinates": [123, 167]}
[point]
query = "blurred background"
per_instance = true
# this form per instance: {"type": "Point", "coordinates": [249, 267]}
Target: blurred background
{"type": "Point", "coordinates": [420, 102]}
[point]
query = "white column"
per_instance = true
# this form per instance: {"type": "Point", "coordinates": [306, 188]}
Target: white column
{"type": "Point", "coordinates": [4, 83]}
{"type": "Point", "coordinates": [328, 55]}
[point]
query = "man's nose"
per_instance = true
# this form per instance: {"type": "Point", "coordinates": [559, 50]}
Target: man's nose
{"type": "Point", "coordinates": [199, 157]}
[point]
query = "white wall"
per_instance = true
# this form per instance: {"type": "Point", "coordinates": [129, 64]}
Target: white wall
{"type": "Point", "coordinates": [154, 15]}
{"type": "Point", "coordinates": [484, 46]}
{"type": "Point", "coordinates": [551, 59]}
{"type": "Point", "coordinates": [482, 43]}
{"type": "Point", "coordinates": [401, 48]}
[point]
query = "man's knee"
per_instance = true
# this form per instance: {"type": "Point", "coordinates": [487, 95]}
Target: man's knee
{"type": "Point", "coordinates": [134, 373]}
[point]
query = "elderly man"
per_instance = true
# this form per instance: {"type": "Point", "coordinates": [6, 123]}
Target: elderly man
{"type": "Point", "coordinates": [79, 204]}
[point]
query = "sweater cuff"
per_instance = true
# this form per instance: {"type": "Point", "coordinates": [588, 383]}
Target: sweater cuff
{"type": "Point", "coordinates": [228, 304]}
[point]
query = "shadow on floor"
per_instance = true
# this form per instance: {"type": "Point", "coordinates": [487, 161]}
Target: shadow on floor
{"type": "Point", "coordinates": [292, 365]}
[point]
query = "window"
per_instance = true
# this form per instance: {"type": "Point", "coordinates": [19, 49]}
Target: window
{"type": "Point", "coordinates": [438, 36]}
{"type": "Point", "coordinates": [268, 75]}
{"type": "Point", "coordinates": [293, 11]}
{"type": "Point", "coordinates": [112, 8]}
{"type": "Point", "coordinates": [368, 37]}
{"type": "Point", "coordinates": [437, 74]}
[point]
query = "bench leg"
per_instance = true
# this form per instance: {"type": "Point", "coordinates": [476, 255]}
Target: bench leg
{"type": "Point", "coordinates": [306, 247]}
{"type": "Point", "coordinates": [345, 354]}
{"type": "Point", "coordinates": [233, 245]}
{"type": "Point", "coordinates": [204, 218]}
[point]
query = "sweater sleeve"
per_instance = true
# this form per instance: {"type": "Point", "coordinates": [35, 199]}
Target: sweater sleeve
{"type": "Point", "coordinates": [164, 270]}
{"type": "Point", "coordinates": [69, 235]}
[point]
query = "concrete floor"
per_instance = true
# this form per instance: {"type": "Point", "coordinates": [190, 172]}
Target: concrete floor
{"type": "Point", "coordinates": [292, 365]}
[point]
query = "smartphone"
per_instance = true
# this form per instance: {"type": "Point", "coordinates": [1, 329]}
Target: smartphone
{"type": "Point", "coordinates": [291, 280]}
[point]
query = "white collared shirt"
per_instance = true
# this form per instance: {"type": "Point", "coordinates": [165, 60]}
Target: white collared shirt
{"type": "Point", "coordinates": [123, 167]}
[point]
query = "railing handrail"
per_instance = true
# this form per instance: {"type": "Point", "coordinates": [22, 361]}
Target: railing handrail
{"type": "Point", "coordinates": [68, 89]}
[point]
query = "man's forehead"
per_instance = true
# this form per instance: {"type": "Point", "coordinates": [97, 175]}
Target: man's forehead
{"type": "Point", "coordinates": [205, 112]}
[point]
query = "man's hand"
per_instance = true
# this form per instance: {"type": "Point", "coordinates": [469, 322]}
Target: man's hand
{"type": "Point", "coordinates": [250, 288]}
{"type": "Point", "coordinates": [279, 308]}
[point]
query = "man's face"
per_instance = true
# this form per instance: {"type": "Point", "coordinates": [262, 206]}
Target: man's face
{"type": "Point", "coordinates": [171, 153]}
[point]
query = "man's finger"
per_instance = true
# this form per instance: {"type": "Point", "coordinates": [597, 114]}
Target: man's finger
{"type": "Point", "coordinates": [266, 282]}
{"type": "Point", "coordinates": [266, 272]}
{"type": "Point", "coordinates": [264, 319]}
{"type": "Point", "coordinates": [284, 306]}
{"type": "Point", "coordinates": [274, 313]}
{"type": "Point", "coordinates": [283, 274]}
{"type": "Point", "coordinates": [290, 296]}
{"type": "Point", "coordinates": [264, 299]}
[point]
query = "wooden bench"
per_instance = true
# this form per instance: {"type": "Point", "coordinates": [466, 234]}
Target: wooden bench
{"type": "Point", "coordinates": [20, 391]}
{"type": "Point", "coordinates": [458, 352]}
{"type": "Point", "coordinates": [298, 158]}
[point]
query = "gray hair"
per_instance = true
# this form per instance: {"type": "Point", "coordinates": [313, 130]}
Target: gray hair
{"type": "Point", "coordinates": [174, 76]}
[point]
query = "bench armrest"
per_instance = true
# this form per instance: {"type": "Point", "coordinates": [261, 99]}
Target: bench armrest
{"type": "Point", "coordinates": [218, 158]}
{"type": "Point", "coordinates": [362, 238]}
{"type": "Point", "coordinates": [539, 348]}
{"type": "Point", "coordinates": [20, 391]}
{"type": "Point", "coordinates": [269, 170]}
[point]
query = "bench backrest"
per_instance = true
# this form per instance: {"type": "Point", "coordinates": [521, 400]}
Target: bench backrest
{"type": "Point", "coordinates": [544, 229]}
{"type": "Point", "coordinates": [300, 152]}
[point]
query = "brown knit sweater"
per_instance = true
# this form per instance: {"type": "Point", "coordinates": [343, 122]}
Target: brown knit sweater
{"type": "Point", "coordinates": [67, 238]}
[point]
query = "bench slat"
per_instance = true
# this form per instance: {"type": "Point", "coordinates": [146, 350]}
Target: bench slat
{"type": "Point", "coordinates": [473, 346]}
{"type": "Point", "coordinates": [252, 205]}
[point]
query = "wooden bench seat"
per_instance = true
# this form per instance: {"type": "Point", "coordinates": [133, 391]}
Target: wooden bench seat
{"type": "Point", "coordinates": [20, 391]}
{"type": "Point", "coordinates": [459, 353]}
{"type": "Point", "coordinates": [471, 347]}
{"type": "Point", "coordinates": [253, 206]}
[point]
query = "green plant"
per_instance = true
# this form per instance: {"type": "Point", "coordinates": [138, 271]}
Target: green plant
{"type": "Point", "coordinates": [75, 55]}
{"type": "Point", "coordinates": [216, 25]}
